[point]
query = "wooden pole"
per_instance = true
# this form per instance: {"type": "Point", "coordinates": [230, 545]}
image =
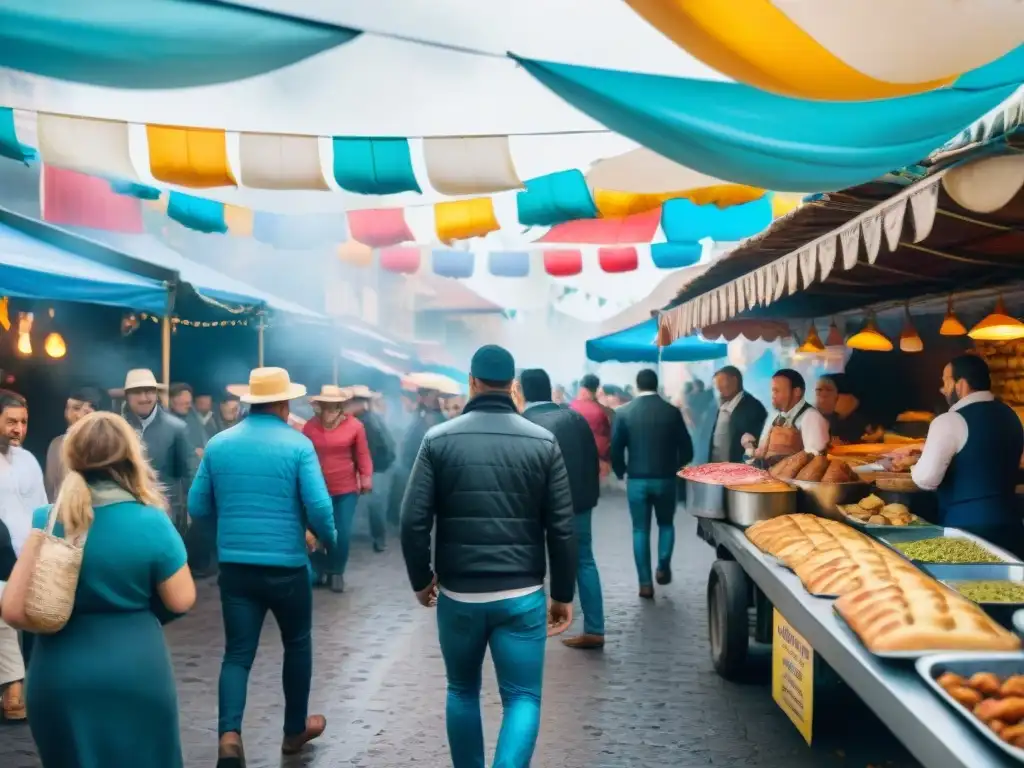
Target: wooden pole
{"type": "Point", "coordinates": [165, 353]}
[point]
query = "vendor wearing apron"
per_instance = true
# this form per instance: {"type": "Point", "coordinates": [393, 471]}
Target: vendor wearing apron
{"type": "Point", "coordinates": [972, 455]}
{"type": "Point", "coordinates": [795, 426]}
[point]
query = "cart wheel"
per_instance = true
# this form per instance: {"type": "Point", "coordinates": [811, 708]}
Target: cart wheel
{"type": "Point", "coordinates": [728, 622]}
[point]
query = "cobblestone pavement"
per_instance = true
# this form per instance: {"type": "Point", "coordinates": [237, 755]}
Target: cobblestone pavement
{"type": "Point", "coordinates": [649, 699]}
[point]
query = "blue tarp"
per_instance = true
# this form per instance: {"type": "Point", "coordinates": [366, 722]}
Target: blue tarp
{"type": "Point", "coordinates": [33, 269]}
{"type": "Point", "coordinates": [637, 345]}
{"type": "Point", "coordinates": [204, 280]}
{"type": "Point", "coordinates": [741, 134]}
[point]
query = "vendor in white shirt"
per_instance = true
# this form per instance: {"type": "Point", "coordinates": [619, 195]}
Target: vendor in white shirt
{"type": "Point", "coordinates": [972, 455]}
{"type": "Point", "coordinates": [794, 426]}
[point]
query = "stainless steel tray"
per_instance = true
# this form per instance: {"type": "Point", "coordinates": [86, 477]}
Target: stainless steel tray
{"type": "Point", "coordinates": [775, 561]}
{"type": "Point", "coordinates": [952, 574]}
{"type": "Point", "coordinates": [886, 655]}
{"type": "Point", "coordinates": [965, 665]}
{"type": "Point", "coordinates": [874, 528]}
{"type": "Point", "coordinates": [918, 533]}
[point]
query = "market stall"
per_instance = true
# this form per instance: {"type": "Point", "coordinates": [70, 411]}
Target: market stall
{"type": "Point", "coordinates": [828, 552]}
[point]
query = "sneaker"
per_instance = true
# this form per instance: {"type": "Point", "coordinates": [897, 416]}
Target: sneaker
{"type": "Point", "coordinates": [663, 576]}
{"type": "Point", "coordinates": [647, 592]}
{"type": "Point", "coordinates": [379, 546]}
{"type": "Point", "coordinates": [337, 583]}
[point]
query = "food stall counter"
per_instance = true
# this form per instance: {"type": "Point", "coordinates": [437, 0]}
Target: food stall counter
{"type": "Point", "coordinates": [936, 735]}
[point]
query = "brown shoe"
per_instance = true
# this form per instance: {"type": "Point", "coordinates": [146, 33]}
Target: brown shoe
{"type": "Point", "coordinates": [647, 592]}
{"type": "Point", "coordinates": [230, 753]}
{"type": "Point", "coordinates": [663, 576]}
{"type": "Point", "coordinates": [315, 725]}
{"type": "Point", "coordinates": [584, 641]}
{"type": "Point", "coordinates": [14, 703]}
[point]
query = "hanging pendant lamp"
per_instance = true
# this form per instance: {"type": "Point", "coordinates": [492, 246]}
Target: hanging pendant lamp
{"type": "Point", "coordinates": [910, 339]}
{"type": "Point", "coordinates": [812, 344]}
{"type": "Point", "coordinates": [998, 326]}
{"type": "Point", "coordinates": [835, 336]}
{"type": "Point", "coordinates": [951, 325]}
{"type": "Point", "coordinates": [869, 338]}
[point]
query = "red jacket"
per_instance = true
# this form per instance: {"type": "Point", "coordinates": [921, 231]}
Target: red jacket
{"type": "Point", "coordinates": [344, 455]}
{"type": "Point", "coordinates": [600, 424]}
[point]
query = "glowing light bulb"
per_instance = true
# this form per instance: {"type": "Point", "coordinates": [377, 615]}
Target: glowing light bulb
{"type": "Point", "coordinates": [54, 346]}
{"type": "Point", "coordinates": [24, 344]}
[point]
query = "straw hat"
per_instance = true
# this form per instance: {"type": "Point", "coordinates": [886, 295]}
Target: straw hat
{"type": "Point", "coordinates": [332, 394]}
{"type": "Point", "coordinates": [364, 392]}
{"type": "Point", "coordinates": [267, 385]}
{"type": "Point", "coordinates": [433, 381]}
{"type": "Point", "coordinates": [141, 378]}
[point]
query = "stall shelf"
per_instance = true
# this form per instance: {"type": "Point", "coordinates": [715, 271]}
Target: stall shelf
{"type": "Point", "coordinates": [743, 578]}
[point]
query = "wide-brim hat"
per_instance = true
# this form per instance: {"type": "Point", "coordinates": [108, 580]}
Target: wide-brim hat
{"type": "Point", "coordinates": [141, 378]}
{"type": "Point", "coordinates": [267, 385]}
{"type": "Point", "coordinates": [364, 392]}
{"type": "Point", "coordinates": [435, 382]}
{"type": "Point", "coordinates": [332, 394]}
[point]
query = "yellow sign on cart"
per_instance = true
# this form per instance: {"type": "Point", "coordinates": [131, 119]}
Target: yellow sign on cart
{"type": "Point", "coordinates": [793, 675]}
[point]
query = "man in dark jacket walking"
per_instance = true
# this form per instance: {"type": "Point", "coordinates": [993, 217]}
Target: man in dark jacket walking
{"type": "Point", "coordinates": [497, 487]}
{"type": "Point", "coordinates": [651, 444]}
{"type": "Point", "coordinates": [579, 450]}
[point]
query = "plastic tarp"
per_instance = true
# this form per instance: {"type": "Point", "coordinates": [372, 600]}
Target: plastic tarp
{"type": "Point", "coordinates": [740, 134]}
{"type": "Point", "coordinates": [638, 345]}
{"type": "Point", "coordinates": [205, 281]}
{"type": "Point", "coordinates": [33, 269]}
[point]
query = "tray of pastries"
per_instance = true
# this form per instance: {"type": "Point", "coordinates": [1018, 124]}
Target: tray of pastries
{"type": "Point", "coordinates": [987, 689]}
{"type": "Point", "coordinates": [829, 558]}
{"type": "Point", "coordinates": [808, 468]}
{"type": "Point", "coordinates": [905, 614]}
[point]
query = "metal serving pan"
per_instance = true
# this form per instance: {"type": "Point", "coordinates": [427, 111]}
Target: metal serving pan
{"type": "Point", "coordinates": [1002, 665]}
{"type": "Point", "coordinates": [876, 529]}
{"type": "Point", "coordinates": [705, 500]}
{"type": "Point", "coordinates": [822, 499]}
{"type": "Point", "coordinates": [919, 533]}
{"type": "Point", "coordinates": [953, 574]}
{"type": "Point", "coordinates": [743, 507]}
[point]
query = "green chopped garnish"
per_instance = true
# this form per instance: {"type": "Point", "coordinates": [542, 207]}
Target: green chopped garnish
{"type": "Point", "coordinates": [946, 549]}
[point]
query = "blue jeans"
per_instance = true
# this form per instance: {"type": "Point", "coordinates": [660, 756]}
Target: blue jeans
{"type": "Point", "coordinates": [247, 592]}
{"type": "Point", "coordinates": [344, 512]}
{"type": "Point", "coordinates": [645, 495]}
{"type": "Point", "coordinates": [588, 580]}
{"type": "Point", "coordinates": [516, 631]}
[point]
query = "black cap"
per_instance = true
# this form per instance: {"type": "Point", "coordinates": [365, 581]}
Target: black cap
{"type": "Point", "coordinates": [492, 363]}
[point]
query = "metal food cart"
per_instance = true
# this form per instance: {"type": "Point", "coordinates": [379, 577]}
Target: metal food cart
{"type": "Point", "coordinates": [743, 582]}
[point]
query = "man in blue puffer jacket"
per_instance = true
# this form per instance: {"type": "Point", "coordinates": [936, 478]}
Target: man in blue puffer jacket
{"type": "Point", "coordinates": [262, 481]}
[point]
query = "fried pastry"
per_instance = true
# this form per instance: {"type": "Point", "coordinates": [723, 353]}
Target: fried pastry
{"type": "Point", "coordinates": [913, 612]}
{"type": "Point", "coordinates": [814, 471]}
{"type": "Point", "coordinates": [1012, 686]}
{"type": "Point", "coordinates": [985, 683]}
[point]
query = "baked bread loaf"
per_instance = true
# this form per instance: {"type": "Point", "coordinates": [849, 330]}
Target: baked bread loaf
{"type": "Point", "coordinates": [913, 612]}
{"type": "Point", "coordinates": [788, 468]}
{"type": "Point", "coordinates": [792, 538]}
{"type": "Point", "coordinates": [851, 565]}
{"type": "Point", "coordinates": [815, 470]}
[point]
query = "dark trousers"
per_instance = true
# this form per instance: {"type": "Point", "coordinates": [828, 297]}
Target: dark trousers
{"type": "Point", "coordinates": [201, 545]}
{"type": "Point", "coordinates": [247, 592]}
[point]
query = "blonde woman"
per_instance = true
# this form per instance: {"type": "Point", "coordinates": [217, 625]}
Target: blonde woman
{"type": "Point", "coordinates": [101, 692]}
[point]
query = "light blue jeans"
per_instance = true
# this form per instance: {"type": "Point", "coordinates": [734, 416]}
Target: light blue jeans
{"type": "Point", "coordinates": [516, 632]}
{"type": "Point", "coordinates": [588, 580]}
{"type": "Point", "coordinates": [644, 496]}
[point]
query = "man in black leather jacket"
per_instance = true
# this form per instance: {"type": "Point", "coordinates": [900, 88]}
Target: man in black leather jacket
{"type": "Point", "coordinates": [579, 449]}
{"type": "Point", "coordinates": [497, 489]}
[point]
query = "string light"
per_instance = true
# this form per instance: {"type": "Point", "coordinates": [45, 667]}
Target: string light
{"type": "Point", "coordinates": [176, 321]}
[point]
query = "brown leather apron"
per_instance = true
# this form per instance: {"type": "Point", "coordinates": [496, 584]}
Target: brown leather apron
{"type": "Point", "coordinates": [784, 439]}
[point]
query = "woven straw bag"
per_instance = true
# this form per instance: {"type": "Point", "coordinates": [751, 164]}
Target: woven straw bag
{"type": "Point", "coordinates": [51, 579]}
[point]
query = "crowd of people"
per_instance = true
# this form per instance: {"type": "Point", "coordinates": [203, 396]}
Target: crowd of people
{"type": "Point", "coordinates": [494, 498]}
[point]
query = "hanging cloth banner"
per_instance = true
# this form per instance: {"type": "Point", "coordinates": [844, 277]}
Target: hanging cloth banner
{"type": "Point", "coordinates": [463, 219]}
{"type": "Point", "coordinates": [155, 44]}
{"type": "Point", "coordinates": [197, 213]}
{"type": "Point", "coordinates": [379, 228]}
{"type": "Point", "coordinates": [740, 134]}
{"type": "Point", "coordinates": [509, 263]}
{"type": "Point", "coordinates": [380, 166]}
{"type": "Point", "coordinates": [10, 144]}
{"type": "Point", "coordinates": [269, 161]}
{"type": "Point", "coordinates": [640, 228]}
{"type": "Point", "coordinates": [456, 264]}
{"type": "Point", "coordinates": [555, 198]}
{"type": "Point", "coordinates": [72, 199]}
{"type": "Point", "coordinates": [96, 147]}
{"type": "Point", "coordinates": [477, 165]}
{"type": "Point", "coordinates": [189, 157]}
